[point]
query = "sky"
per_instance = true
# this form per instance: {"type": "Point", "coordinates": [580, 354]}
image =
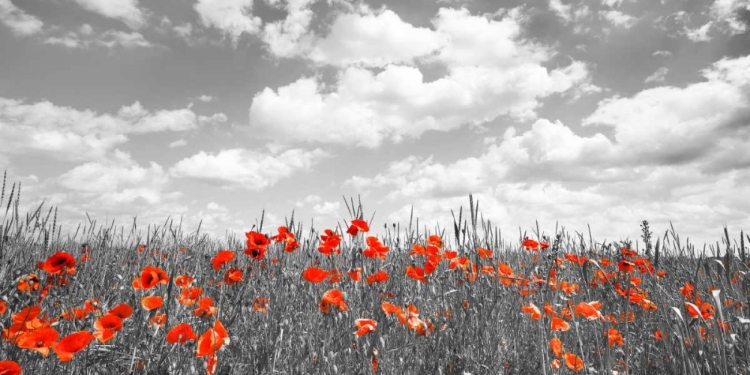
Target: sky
{"type": "Point", "coordinates": [580, 114]}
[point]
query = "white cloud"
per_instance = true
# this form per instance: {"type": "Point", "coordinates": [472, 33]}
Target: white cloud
{"type": "Point", "coordinates": [662, 53]}
{"type": "Point", "coordinates": [233, 17]}
{"type": "Point", "coordinates": [374, 39]}
{"type": "Point", "coordinates": [215, 119]}
{"type": "Point", "coordinates": [291, 36]}
{"type": "Point", "coordinates": [247, 169]}
{"type": "Point", "coordinates": [17, 20]}
{"type": "Point", "coordinates": [619, 19]}
{"type": "Point", "coordinates": [699, 34]}
{"type": "Point", "coordinates": [490, 73]}
{"type": "Point", "coordinates": [70, 134]}
{"type": "Point", "coordinates": [561, 10]}
{"type": "Point", "coordinates": [126, 11]}
{"type": "Point", "coordinates": [658, 75]}
{"type": "Point", "coordinates": [206, 98]}
{"type": "Point", "coordinates": [310, 199]}
{"type": "Point", "coordinates": [726, 12]}
{"type": "Point", "coordinates": [326, 208]}
{"type": "Point", "coordinates": [178, 143]}
{"type": "Point", "coordinates": [86, 38]}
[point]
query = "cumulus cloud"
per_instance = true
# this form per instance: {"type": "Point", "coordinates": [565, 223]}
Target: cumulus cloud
{"type": "Point", "coordinates": [67, 133]}
{"type": "Point", "coordinates": [232, 17]}
{"type": "Point", "coordinates": [675, 154]}
{"type": "Point", "coordinates": [619, 19]}
{"type": "Point", "coordinates": [253, 170]}
{"type": "Point", "coordinates": [17, 20]}
{"type": "Point", "coordinates": [490, 72]}
{"type": "Point", "coordinates": [658, 75]}
{"type": "Point", "coordinates": [126, 11]}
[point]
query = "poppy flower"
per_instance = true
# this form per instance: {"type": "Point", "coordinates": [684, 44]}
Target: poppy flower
{"type": "Point", "coordinates": [221, 258]}
{"type": "Point", "coordinates": [432, 263]}
{"type": "Point", "coordinates": [573, 362]}
{"type": "Point", "coordinates": [687, 290]}
{"type": "Point", "coordinates": [449, 254]}
{"type": "Point", "coordinates": [358, 225]}
{"type": "Point", "coordinates": [38, 340]}
{"type": "Point", "coordinates": [123, 311]}
{"type": "Point", "coordinates": [150, 277]}
{"type": "Point", "coordinates": [330, 241]}
{"type": "Point", "coordinates": [614, 337]}
{"type": "Point", "coordinates": [484, 253]}
{"type": "Point", "coordinates": [374, 360]}
{"type": "Point", "coordinates": [557, 347]}
{"type": "Point", "coordinates": [212, 340]}
{"type": "Point", "coordinates": [10, 368]}
{"type": "Point", "coordinates": [462, 263]}
{"type": "Point", "coordinates": [333, 297]}
{"type": "Point", "coordinates": [151, 302]}
{"type": "Point", "coordinates": [57, 261]}
{"type": "Point", "coordinates": [416, 273]}
{"type": "Point", "coordinates": [183, 281]}
{"type": "Point", "coordinates": [315, 275]}
{"type": "Point", "coordinates": [256, 245]}
{"type": "Point", "coordinates": [375, 249]}
{"type": "Point", "coordinates": [110, 322]}
{"type": "Point", "coordinates": [205, 308]}
{"type": "Point", "coordinates": [260, 304]}
{"type": "Point", "coordinates": [3, 306]}
{"type": "Point", "coordinates": [435, 240]}
{"type": "Point", "coordinates": [532, 310]}
{"type": "Point", "coordinates": [29, 283]}
{"type": "Point", "coordinates": [232, 276]}
{"type": "Point", "coordinates": [589, 310]}
{"type": "Point", "coordinates": [379, 277]}
{"type": "Point", "coordinates": [556, 364]}
{"type": "Point", "coordinates": [626, 266]}
{"type": "Point", "coordinates": [389, 308]}
{"type": "Point", "coordinates": [71, 344]}
{"type": "Point", "coordinates": [355, 274]}
{"type": "Point", "coordinates": [658, 335]}
{"type": "Point", "coordinates": [365, 326]}
{"type": "Point", "coordinates": [158, 320]}
{"type": "Point", "coordinates": [530, 244]}
{"type": "Point", "coordinates": [335, 276]}
{"type": "Point", "coordinates": [558, 324]}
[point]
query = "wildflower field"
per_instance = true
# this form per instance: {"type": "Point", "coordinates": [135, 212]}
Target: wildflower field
{"type": "Point", "coordinates": [413, 300]}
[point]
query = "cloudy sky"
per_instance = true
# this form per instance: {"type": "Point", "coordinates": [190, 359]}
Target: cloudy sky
{"type": "Point", "coordinates": [578, 112]}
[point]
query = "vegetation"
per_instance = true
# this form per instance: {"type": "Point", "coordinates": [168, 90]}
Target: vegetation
{"type": "Point", "coordinates": [108, 299]}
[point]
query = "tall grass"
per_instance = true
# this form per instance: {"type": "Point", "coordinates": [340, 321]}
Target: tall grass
{"type": "Point", "coordinates": [479, 326]}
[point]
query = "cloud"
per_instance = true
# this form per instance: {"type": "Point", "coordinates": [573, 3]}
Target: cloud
{"type": "Point", "coordinates": [675, 154]}
{"type": "Point", "coordinates": [178, 143]}
{"type": "Point", "coordinates": [126, 11]}
{"type": "Point", "coordinates": [662, 53]}
{"type": "Point", "coordinates": [561, 10]}
{"type": "Point", "coordinates": [326, 208]}
{"type": "Point", "coordinates": [490, 72]}
{"type": "Point", "coordinates": [374, 39]}
{"type": "Point", "coordinates": [69, 134]}
{"type": "Point", "coordinates": [291, 36]}
{"type": "Point", "coordinates": [727, 15]}
{"type": "Point", "coordinates": [18, 21]}
{"type": "Point", "coordinates": [233, 17]}
{"type": "Point", "coordinates": [658, 75]}
{"type": "Point", "coordinates": [85, 38]}
{"type": "Point", "coordinates": [206, 98]}
{"type": "Point", "coordinates": [619, 19]}
{"type": "Point", "coordinates": [253, 170]}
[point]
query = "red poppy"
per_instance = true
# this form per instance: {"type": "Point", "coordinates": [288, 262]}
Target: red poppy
{"type": "Point", "coordinates": [557, 347]}
{"type": "Point", "coordinates": [212, 340]}
{"type": "Point", "coordinates": [558, 324]}
{"type": "Point", "coordinates": [484, 253]}
{"type": "Point", "coordinates": [151, 302]}
{"type": "Point", "coordinates": [432, 263]}
{"type": "Point", "coordinates": [183, 281]}
{"type": "Point", "coordinates": [365, 326]}
{"type": "Point", "coordinates": [123, 311]}
{"type": "Point", "coordinates": [158, 320]}
{"type": "Point", "coordinates": [260, 304]}
{"type": "Point", "coordinates": [330, 241]}
{"type": "Point", "coordinates": [221, 258]}
{"type": "Point", "coordinates": [687, 290]}
{"type": "Point", "coordinates": [573, 362]}
{"type": "Point", "coordinates": [288, 238]}
{"type": "Point", "coordinates": [10, 368]}
{"type": "Point", "coordinates": [416, 273]}
{"type": "Point", "coordinates": [315, 275]}
{"type": "Point", "coordinates": [355, 274]}
{"type": "Point", "coordinates": [658, 335]}
{"type": "Point", "coordinates": [256, 245]}
{"type": "Point", "coordinates": [532, 310]}
{"type": "Point", "coordinates": [38, 340]}
{"type": "Point", "coordinates": [3, 306]}
{"type": "Point", "coordinates": [530, 244]}
{"type": "Point", "coordinates": [150, 277]}
{"type": "Point", "coordinates": [205, 308]}
{"type": "Point", "coordinates": [614, 337]}
{"type": "Point", "coordinates": [71, 344]}
{"type": "Point", "coordinates": [232, 276]}
{"type": "Point", "coordinates": [358, 225]}
{"type": "Point", "coordinates": [379, 277]}
{"type": "Point", "coordinates": [57, 261]}
{"type": "Point", "coordinates": [333, 297]}
{"type": "Point", "coordinates": [590, 310]}
{"type": "Point", "coordinates": [375, 249]}
{"type": "Point", "coordinates": [181, 333]}
{"type": "Point", "coordinates": [111, 322]}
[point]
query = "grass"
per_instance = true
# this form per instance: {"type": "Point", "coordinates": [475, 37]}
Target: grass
{"type": "Point", "coordinates": [479, 324]}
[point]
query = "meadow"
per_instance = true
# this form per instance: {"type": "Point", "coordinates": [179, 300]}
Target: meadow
{"type": "Point", "coordinates": [107, 298]}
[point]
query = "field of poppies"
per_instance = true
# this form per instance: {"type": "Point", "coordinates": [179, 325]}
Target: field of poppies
{"type": "Point", "coordinates": [411, 300]}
